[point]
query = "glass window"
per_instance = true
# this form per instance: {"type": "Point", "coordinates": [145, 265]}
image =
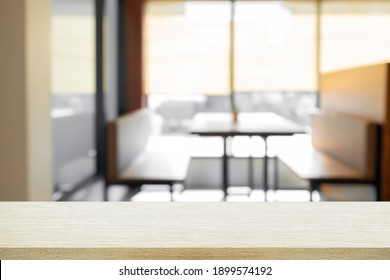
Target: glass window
{"type": "Point", "coordinates": [354, 33]}
{"type": "Point", "coordinates": [73, 47]}
{"type": "Point", "coordinates": [187, 47]}
{"type": "Point", "coordinates": [275, 46]}
{"type": "Point", "coordinates": [73, 92]}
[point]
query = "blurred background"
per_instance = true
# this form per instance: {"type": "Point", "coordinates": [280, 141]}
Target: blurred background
{"type": "Point", "coordinates": [79, 64]}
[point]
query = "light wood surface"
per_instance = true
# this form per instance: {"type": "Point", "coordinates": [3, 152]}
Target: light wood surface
{"type": "Point", "coordinates": [262, 124]}
{"type": "Point", "coordinates": [194, 230]}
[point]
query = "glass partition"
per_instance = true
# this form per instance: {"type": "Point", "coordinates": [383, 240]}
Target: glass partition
{"type": "Point", "coordinates": [73, 92]}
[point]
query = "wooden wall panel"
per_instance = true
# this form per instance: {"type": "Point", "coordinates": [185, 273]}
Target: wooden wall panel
{"type": "Point", "coordinates": [350, 140]}
{"type": "Point", "coordinates": [133, 34]}
{"type": "Point", "coordinates": [363, 92]}
{"type": "Point", "coordinates": [358, 91]}
{"type": "Point", "coordinates": [385, 172]}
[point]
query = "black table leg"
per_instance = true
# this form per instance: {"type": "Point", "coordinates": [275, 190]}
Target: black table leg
{"type": "Point", "coordinates": [265, 168]}
{"type": "Point", "coordinates": [224, 169]}
{"type": "Point", "coordinates": [250, 172]}
{"type": "Point", "coordinates": [312, 187]}
{"type": "Point", "coordinates": [171, 191]}
{"type": "Point", "coordinates": [105, 192]}
{"type": "Point", "coordinates": [276, 174]}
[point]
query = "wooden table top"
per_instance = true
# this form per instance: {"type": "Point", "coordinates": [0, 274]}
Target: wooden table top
{"type": "Point", "coordinates": [260, 124]}
{"type": "Point", "coordinates": [128, 230]}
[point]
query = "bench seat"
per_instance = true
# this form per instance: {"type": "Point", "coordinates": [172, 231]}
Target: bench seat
{"type": "Point", "coordinates": [154, 167]}
{"type": "Point", "coordinates": [342, 150]}
{"type": "Point", "coordinates": [312, 164]}
{"type": "Point", "coordinates": [131, 163]}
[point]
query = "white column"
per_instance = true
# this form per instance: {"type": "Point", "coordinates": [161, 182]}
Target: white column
{"type": "Point", "coordinates": [25, 100]}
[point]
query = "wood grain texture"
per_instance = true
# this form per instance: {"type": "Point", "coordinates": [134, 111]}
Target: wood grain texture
{"type": "Point", "coordinates": [194, 230]}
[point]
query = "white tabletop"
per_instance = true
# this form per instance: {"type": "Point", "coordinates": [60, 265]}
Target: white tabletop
{"type": "Point", "coordinates": [261, 124]}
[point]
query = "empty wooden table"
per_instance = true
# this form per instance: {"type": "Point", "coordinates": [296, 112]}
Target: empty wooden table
{"type": "Point", "coordinates": [248, 124]}
{"type": "Point", "coordinates": [117, 230]}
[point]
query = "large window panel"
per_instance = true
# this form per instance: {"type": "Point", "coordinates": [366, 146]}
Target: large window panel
{"type": "Point", "coordinates": [73, 92]}
{"type": "Point", "coordinates": [73, 47]}
{"type": "Point", "coordinates": [275, 46]}
{"type": "Point", "coordinates": [186, 47]}
{"type": "Point", "coordinates": [354, 33]}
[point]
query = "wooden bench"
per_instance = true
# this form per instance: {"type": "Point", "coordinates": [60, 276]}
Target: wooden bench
{"type": "Point", "coordinates": [344, 150]}
{"type": "Point", "coordinates": [129, 163]}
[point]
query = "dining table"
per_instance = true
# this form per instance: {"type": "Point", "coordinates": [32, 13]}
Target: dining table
{"type": "Point", "coordinates": [262, 124]}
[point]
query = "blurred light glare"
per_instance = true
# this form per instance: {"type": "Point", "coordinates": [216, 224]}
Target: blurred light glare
{"type": "Point", "coordinates": [274, 20]}
{"type": "Point", "coordinates": [208, 13]}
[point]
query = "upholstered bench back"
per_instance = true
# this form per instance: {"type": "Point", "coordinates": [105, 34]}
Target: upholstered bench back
{"type": "Point", "coordinates": [127, 138]}
{"type": "Point", "coordinates": [352, 141]}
